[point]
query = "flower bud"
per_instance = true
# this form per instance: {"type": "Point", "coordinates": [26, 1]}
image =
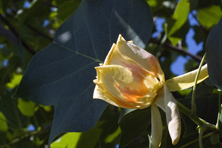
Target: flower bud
{"type": "Point", "coordinates": [129, 78]}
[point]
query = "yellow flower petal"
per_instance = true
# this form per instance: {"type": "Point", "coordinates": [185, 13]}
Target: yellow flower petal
{"type": "Point", "coordinates": [156, 127]}
{"type": "Point", "coordinates": [101, 94]}
{"type": "Point", "coordinates": [141, 57]}
{"type": "Point", "coordinates": [187, 80]}
{"type": "Point", "coordinates": [126, 88]}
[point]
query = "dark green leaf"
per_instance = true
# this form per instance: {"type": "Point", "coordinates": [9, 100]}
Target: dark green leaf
{"type": "Point", "coordinates": [15, 119]}
{"type": "Point", "coordinates": [62, 73]}
{"type": "Point", "coordinates": [214, 55]}
{"type": "Point", "coordinates": [133, 125]}
{"type": "Point", "coordinates": [124, 111]}
{"type": "Point", "coordinates": [214, 139]}
{"type": "Point", "coordinates": [189, 125]}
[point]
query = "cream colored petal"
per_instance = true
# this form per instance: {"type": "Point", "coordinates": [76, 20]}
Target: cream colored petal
{"type": "Point", "coordinates": [159, 101]}
{"type": "Point", "coordinates": [100, 94]}
{"type": "Point", "coordinates": [186, 80]}
{"type": "Point", "coordinates": [172, 116]}
{"type": "Point", "coordinates": [115, 58]}
{"type": "Point", "coordinates": [113, 51]}
{"type": "Point", "coordinates": [109, 55]}
{"type": "Point", "coordinates": [120, 82]}
{"type": "Point", "coordinates": [168, 104]}
{"type": "Point", "coordinates": [140, 56]}
{"type": "Point", "coordinates": [156, 127]}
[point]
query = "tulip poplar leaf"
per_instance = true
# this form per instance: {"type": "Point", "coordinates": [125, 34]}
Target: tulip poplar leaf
{"type": "Point", "coordinates": [214, 54]}
{"type": "Point", "coordinates": [62, 73]}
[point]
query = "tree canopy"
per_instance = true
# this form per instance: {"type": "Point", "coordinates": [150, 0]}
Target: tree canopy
{"type": "Point", "coordinates": [48, 51]}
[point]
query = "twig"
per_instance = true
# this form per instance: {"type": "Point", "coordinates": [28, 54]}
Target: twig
{"type": "Point", "coordinates": [17, 35]}
{"type": "Point", "coordinates": [181, 50]}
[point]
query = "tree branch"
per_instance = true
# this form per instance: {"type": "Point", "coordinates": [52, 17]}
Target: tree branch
{"type": "Point", "coordinates": [181, 50]}
{"type": "Point", "coordinates": [40, 33]}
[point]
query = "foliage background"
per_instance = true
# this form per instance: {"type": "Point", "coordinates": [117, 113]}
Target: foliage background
{"type": "Point", "coordinates": [27, 26]}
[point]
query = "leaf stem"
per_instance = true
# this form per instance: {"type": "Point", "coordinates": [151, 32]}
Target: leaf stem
{"type": "Point", "coordinates": [205, 136]}
{"type": "Point", "coordinates": [201, 132]}
{"type": "Point", "coordinates": [193, 103]}
{"type": "Point", "coordinates": [219, 110]}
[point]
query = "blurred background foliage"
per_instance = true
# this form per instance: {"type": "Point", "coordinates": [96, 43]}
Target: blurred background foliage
{"type": "Point", "coordinates": [27, 26]}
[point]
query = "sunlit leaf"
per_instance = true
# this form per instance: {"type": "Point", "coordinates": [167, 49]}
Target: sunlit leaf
{"type": "Point", "coordinates": [209, 16]}
{"type": "Point", "coordinates": [112, 136]}
{"type": "Point", "coordinates": [69, 140]}
{"type": "Point", "coordinates": [14, 81]}
{"type": "Point", "coordinates": [27, 108]}
{"type": "Point", "coordinates": [62, 73]}
{"type": "Point", "coordinates": [179, 18]}
{"type": "Point", "coordinates": [3, 123]}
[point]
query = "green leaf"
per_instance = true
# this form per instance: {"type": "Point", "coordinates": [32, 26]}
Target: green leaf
{"type": "Point", "coordinates": [190, 127]}
{"type": "Point", "coordinates": [125, 111]}
{"type": "Point", "coordinates": [214, 55]}
{"type": "Point", "coordinates": [27, 108]}
{"type": "Point", "coordinates": [9, 108]}
{"type": "Point", "coordinates": [209, 16]}
{"type": "Point", "coordinates": [3, 123]}
{"type": "Point", "coordinates": [69, 140]}
{"type": "Point", "coordinates": [14, 81]}
{"type": "Point", "coordinates": [133, 125]}
{"type": "Point", "coordinates": [62, 73]}
{"type": "Point", "coordinates": [38, 11]}
{"type": "Point", "coordinates": [179, 18]}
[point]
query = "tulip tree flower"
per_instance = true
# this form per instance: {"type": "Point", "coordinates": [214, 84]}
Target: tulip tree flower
{"type": "Point", "coordinates": [132, 78]}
